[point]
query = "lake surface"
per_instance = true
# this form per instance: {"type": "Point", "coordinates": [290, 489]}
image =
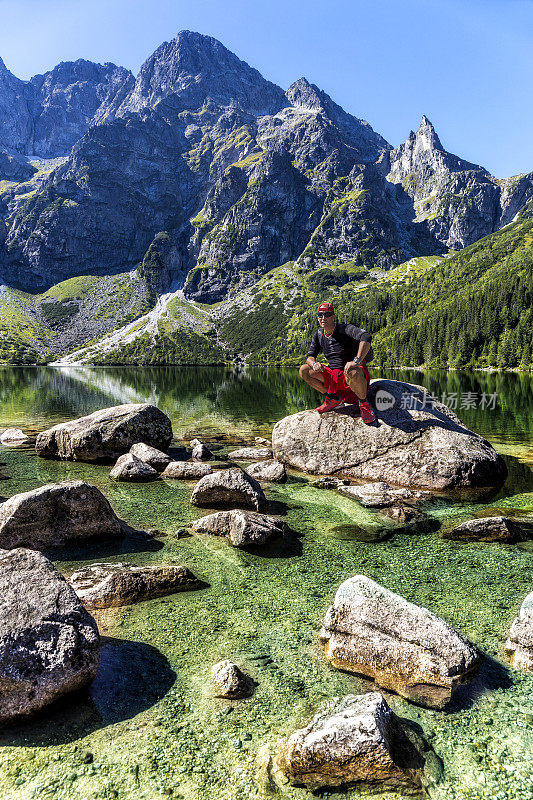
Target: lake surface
{"type": "Point", "coordinates": [150, 727]}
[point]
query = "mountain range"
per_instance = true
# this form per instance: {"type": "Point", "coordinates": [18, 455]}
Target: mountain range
{"type": "Point", "coordinates": [139, 214]}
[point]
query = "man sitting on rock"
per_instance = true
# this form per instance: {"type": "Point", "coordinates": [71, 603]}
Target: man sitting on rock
{"type": "Point", "coordinates": [346, 378]}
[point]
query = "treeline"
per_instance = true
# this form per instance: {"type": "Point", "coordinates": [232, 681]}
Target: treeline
{"type": "Point", "coordinates": [472, 310]}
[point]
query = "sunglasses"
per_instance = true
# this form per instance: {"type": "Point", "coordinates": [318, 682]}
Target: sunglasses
{"type": "Point", "coordinates": [325, 314]}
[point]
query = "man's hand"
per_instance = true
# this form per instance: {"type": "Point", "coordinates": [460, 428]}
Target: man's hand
{"type": "Point", "coordinates": [350, 366]}
{"type": "Point", "coordinates": [317, 367]}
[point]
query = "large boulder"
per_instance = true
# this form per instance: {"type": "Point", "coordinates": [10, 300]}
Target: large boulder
{"type": "Point", "coordinates": [106, 434]}
{"type": "Point", "coordinates": [52, 515]}
{"type": "Point", "coordinates": [241, 528]}
{"type": "Point", "coordinates": [519, 645]}
{"type": "Point", "coordinates": [352, 740]}
{"type": "Point", "coordinates": [110, 585]}
{"type": "Point", "coordinates": [186, 470]}
{"type": "Point", "coordinates": [131, 468]}
{"type": "Point", "coordinates": [405, 648]}
{"type": "Point", "coordinates": [49, 644]}
{"type": "Point", "coordinates": [230, 487]}
{"type": "Point", "coordinates": [417, 445]}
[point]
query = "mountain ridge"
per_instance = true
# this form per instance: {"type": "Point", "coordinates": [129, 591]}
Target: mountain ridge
{"type": "Point", "coordinates": [200, 176]}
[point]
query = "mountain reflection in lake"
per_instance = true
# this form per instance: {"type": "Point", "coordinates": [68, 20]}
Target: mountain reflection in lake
{"type": "Point", "coordinates": [211, 400]}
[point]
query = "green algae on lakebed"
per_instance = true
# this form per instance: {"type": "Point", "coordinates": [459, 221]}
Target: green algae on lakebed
{"type": "Point", "coordinates": [150, 725]}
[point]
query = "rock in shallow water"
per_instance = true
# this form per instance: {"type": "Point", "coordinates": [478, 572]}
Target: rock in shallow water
{"type": "Point", "coordinates": [49, 644]}
{"type": "Point", "coordinates": [519, 645]}
{"type": "Point", "coordinates": [110, 585]}
{"type": "Point", "coordinates": [250, 453]}
{"type": "Point", "coordinates": [186, 470]}
{"type": "Point", "coordinates": [230, 681]}
{"type": "Point", "coordinates": [200, 451]}
{"type": "Point", "coordinates": [150, 455]}
{"type": "Point", "coordinates": [229, 487]}
{"type": "Point", "coordinates": [106, 434]}
{"type": "Point", "coordinates": [486, 529]}
{"type": "Point", "coordinates": [270, 470]}
{"type": "Point", "coordinates": [405, 648]}
{"type": "Point", "coordinates": [240, 527]}
{"type": "Point", "coordinates": [13, 435]}
{"type": "Point", "coordinates": [51, 516]}
{"type": "Point", "coordinates": [131, 468]}
{"type": "Point", "coordinates": [418, 446]}
{"type": "Point", "coordinates": [356, 739]}
{"type": "Point", "coordinates": [381, 495]}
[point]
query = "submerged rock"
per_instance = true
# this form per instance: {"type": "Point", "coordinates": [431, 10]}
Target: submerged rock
{"type": "Point", "coordinates": [230, 681]}
{"type": "Point", "coordinates": [486, 529]}
{"type": "Point", "coordinates": [409, 515]}
{"type": "Point", "coordinates": [49, 644]}
{"type": "Point", "coordinates": [14, 435]}
{"type": "Point", "coordinates": [229, 487]}
{"type": "Point", "coordinates": [270, 470]}
{"type": "Point", "coordinates": [330, 483]}
{"type": "Point", "coordinates": [52, 515]}
{"type": "Point", "coordinates": [200, 451]}
{"type": "Point", "coordinates": [354, 739]}
{"type": "Point", "coordinates": [106, 434]}
{"type": "Point", "coordinates": [418, 446]}
{"type": "Point", "coordinates": [250, 453]}
{"type": "Point", "coordinates": [381, 495]}
{"type": "Point", "coordinates": [405, 648]}
{"type": "Point", "coordinates": [519, 645]}
{"type": "Point", "coordinates": [240, 527]}
{"type": "Point", "coordinates": [150, 455]}
{"type": "Point", "coordinates": [131, 468]}
{"type": "Point", "coordinates": [110, 585]}
{"type": "Point", "coordinates": [186, 470]}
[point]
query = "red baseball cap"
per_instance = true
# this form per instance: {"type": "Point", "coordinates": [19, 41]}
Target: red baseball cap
{"type": "Point", "coordinates": [325, 307]}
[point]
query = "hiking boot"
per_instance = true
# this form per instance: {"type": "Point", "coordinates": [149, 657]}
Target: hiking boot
{"type": "Point", "coordinates": [367, 413]}
{"type": "Point", "coordinates": [329, 404]}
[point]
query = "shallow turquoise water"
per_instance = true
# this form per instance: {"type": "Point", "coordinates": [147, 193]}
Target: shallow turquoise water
{"type": "Point", "coordinates": [150, 721]}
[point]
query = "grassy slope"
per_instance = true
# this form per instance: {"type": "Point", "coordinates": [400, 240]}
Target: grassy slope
{"type": "Point", "coordinates": [473, 308]}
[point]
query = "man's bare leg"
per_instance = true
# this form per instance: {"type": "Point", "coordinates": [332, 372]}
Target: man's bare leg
{"type": "Point", "coordinates": [314, 379]}
{"type": "Point", "coordinates": [357, 383]}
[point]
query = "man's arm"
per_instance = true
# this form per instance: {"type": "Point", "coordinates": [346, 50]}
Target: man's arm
{"type": "Point", "coordinates": [314, 350]}
{"type": "Point", "coordinates": [364, 338]}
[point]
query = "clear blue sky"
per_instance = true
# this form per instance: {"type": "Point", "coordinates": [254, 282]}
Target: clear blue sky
{"type": "Point", "coordinates": [466, 64]}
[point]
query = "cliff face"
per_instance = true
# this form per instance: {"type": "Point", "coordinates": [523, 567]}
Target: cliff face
{"type": "Point", "coordinates": [46, 115]}
{"type": "Point", "coordinates": [459, 202]}
{"type": "Point", "coordinates": [241, 176]}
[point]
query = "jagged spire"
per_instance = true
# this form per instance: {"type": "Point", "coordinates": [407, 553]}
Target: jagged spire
{"type": "Point", "coordinates": [426, 135]}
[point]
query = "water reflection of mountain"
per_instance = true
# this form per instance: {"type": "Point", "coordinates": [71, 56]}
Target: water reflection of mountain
{"type": "Point", "coordinates": [201, 398]}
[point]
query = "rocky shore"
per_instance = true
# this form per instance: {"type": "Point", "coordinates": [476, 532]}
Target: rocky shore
{"type": "Point", "coordinates": [402, 647]}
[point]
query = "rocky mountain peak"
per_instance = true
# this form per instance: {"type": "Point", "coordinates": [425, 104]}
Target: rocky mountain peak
{"type": "Point", "coordinates": [426, 136]}
{"type": "Point", "coordinates": [195, 67]}
{"type": "Point", "coordinates": [303, 94]}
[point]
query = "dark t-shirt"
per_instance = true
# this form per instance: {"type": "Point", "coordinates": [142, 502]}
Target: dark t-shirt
{"type": "Point", "coordinates": [341, 346]}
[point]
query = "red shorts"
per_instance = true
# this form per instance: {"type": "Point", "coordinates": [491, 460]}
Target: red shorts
{"type": "Point", "coordinates": [335, 382]}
